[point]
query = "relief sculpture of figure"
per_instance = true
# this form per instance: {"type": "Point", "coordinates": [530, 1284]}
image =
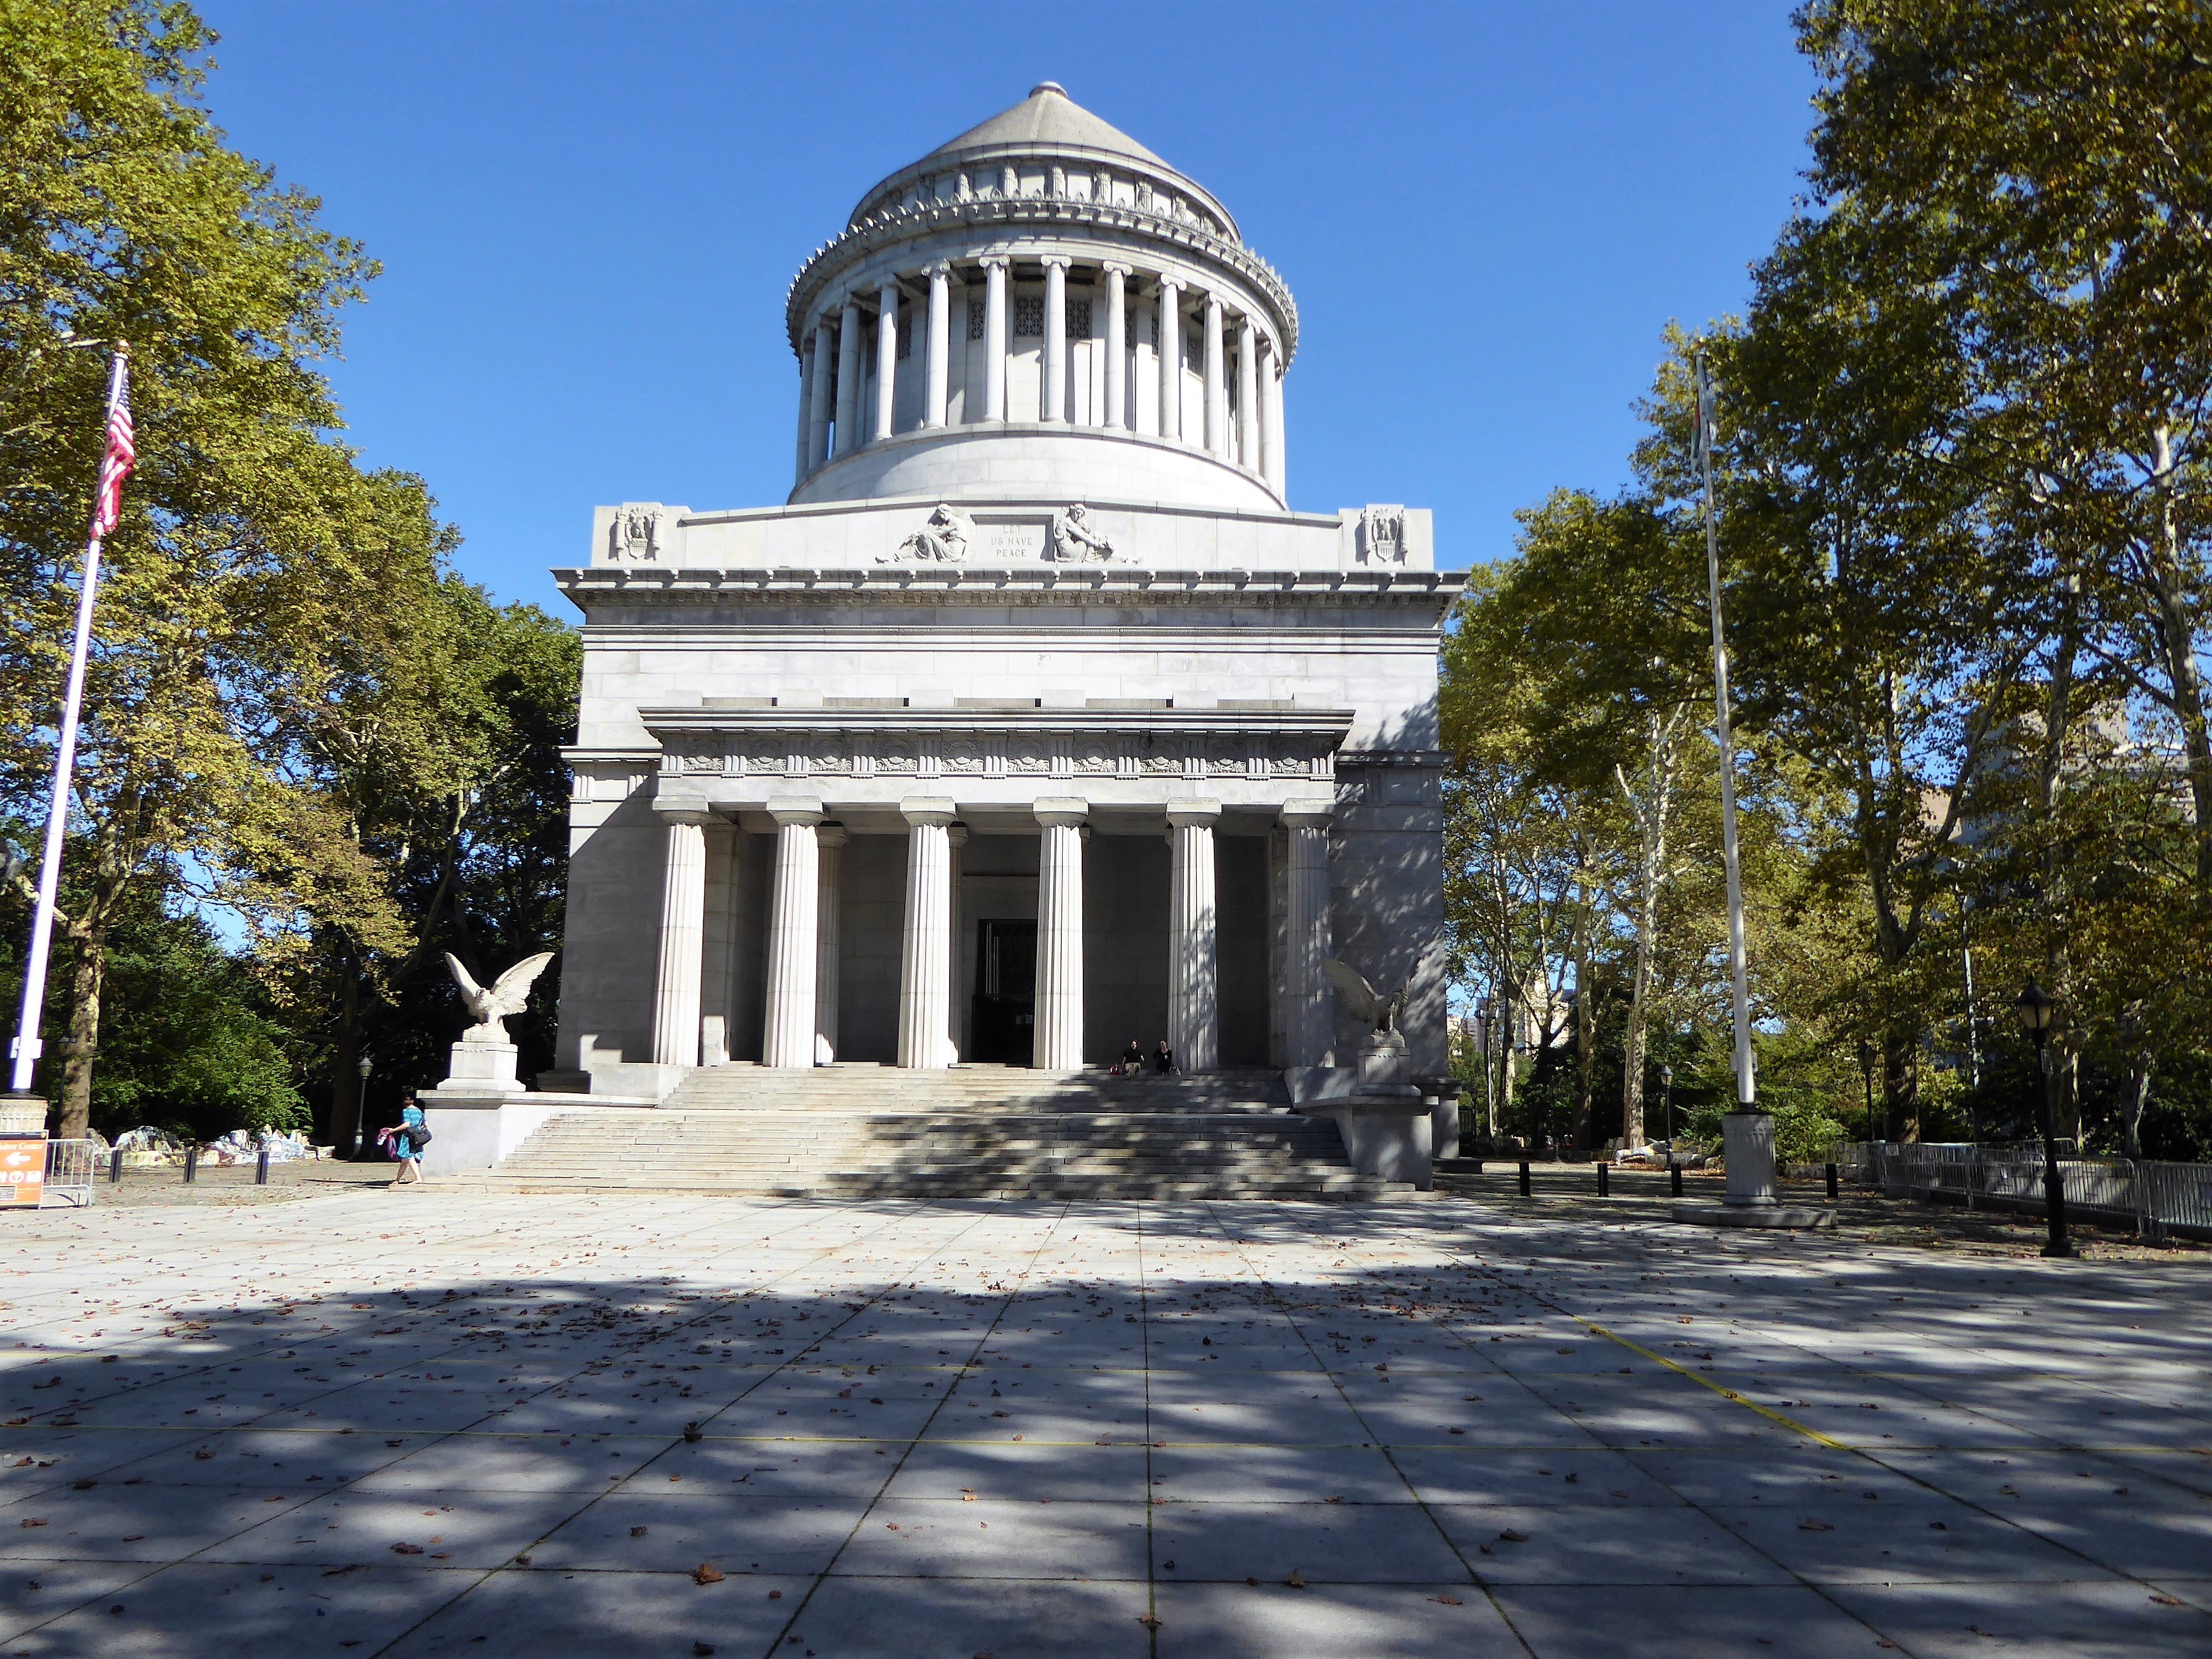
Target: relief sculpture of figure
{"type": "Point", "coordinates": [1072, 539]}
{"type": "Point", "coordinates": [634, 534]}
{"type": "Point", "coordinates": [944, 540]}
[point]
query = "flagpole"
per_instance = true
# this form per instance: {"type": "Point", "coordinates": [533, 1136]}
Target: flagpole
{"type": "Point", "coordinates": [25, 1051]}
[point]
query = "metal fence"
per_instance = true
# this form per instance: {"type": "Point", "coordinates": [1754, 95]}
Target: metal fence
{"type": "Point", "coordinates": [2155, 1198]}
{"type": "Point", "coordinates": [70, 1166]}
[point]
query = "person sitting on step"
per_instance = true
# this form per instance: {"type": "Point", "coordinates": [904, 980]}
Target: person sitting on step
{"type": "Point", "coordinates": [1165, 1059]}
{"type": "Point", "coordinates": [1132, 1061]}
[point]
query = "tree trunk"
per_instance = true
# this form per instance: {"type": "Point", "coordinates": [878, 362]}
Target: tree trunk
{"type": "Point", "coordinates": [2138, 1097]}
{"type": "Point", "coordinates": [87, 979]}
{"type": "Point", "coordinates": [345, 1077]}
{"type": "Point", "coordinates": [1900, 1078]}
{"type": "Point", "coordinates": [2057, 724]}
{"type": "Point", "coordinates": [2176, 643]}
{"type": "Point", "coordinates": [1585, 1029]}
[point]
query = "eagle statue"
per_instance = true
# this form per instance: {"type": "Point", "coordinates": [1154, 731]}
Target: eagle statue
{"type": "Point", "coordinates": [509, 995]}
{"type": "Point", "coordinates": [1363, 1001]}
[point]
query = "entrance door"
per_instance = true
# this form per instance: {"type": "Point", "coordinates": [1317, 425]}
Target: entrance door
{"type": "Point", "coordinates": [1006, 992]}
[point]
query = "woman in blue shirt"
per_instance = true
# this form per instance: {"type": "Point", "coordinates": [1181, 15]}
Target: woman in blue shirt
{"type": "Point", "coordinates": [407, 1145]}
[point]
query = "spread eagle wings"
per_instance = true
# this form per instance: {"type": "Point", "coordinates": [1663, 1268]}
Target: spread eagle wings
{"type": "Point", "coordinates": [509, 992]}
{"type": "Point", "coordinates": [1360, 999]}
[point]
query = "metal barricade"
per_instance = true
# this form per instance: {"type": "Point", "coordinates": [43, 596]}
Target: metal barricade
{"type": "Point", "coordinates": [2156, 1197]}
{"type": "Point", "coordinates": [69, 1167]}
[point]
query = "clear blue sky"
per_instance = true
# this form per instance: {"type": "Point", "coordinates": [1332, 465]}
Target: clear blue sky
{"type": "Point", "coordinates": [588, 216]}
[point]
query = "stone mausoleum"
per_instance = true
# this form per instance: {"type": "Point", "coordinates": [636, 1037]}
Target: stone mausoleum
{"type": "Point", "coordinates": [1035, 720]}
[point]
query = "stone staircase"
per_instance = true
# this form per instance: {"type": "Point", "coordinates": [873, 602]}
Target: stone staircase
{"type": "Point", "coordinates": [857, 1131]}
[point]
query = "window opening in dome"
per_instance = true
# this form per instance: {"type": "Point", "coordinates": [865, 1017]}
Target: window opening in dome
{"type": "Point", "coordinates": [1078, 319]}
{"type": "Point", "coordinates": [1029, 316]}
{"type": "Point", "coordinates": [975, 315]}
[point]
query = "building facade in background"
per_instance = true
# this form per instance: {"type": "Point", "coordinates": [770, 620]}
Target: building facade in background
{"type": "Point", "coordinates": [1035, 722]}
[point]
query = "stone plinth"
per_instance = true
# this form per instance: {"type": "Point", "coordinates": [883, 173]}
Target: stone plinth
{"type": "Point", "coordinates": [479, 1068]}
{"type": "Point", "coordinates": [1748, 1141]}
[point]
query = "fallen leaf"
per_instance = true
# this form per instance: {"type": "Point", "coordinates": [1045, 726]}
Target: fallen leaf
{"type": "Point", "coordinates": [85, 1484]}
{"type": "Point", "coordinates": [1814, 1526]}
{"type": "Point", "coordinates": [1511, 1536]}
{"type": "Point", "coordinates": [704, 1573]}
{"type": "Point", "coordinates": [2167, 1601]}
{"type": "Point", "coordinates": [776, 1595]}
{"type": "Point", "coordinates": [691, 1434]}
{"type": "Point", "coordinates": [701, 1649]}
{"type": "Point", "coordinates": [1449, 1601]}
{"type": "Point", "coordinates": [32, 1521]}
{"type": "Point", "coordinates": [1297, 1580]}
{"type": "Point", "coordinates": [1148, 1622]}
{"type": "Point", "coordinates": [407, 1549]}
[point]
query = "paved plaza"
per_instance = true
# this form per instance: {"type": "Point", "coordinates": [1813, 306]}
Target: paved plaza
{"type": "Point", "coordinates": [465, 1423]}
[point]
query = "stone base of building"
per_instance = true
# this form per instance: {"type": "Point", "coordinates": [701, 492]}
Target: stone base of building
{"type": "Point", "coordinates": [1751, 1215]}
{"type": "Point", "coordinates": [473, 1131]}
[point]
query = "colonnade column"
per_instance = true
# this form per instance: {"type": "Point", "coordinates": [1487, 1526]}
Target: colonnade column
{"type": "Point", "coordinates": [994, 340]}
{"type": "Point", "coordinates": [788, 1027]}
{"type": "Point", "coordinates": [683, 933]}
{"type": "Point", "coordinates": [1055, 339]}
{"type": "Point", "coordinates": [940, 343]}
{"type": "Point", "coordinates": [1248, 395]}
{"type": "Point", "coordinates": [956, 978]}
{"type": "Point", "coordinates": [1058, 1033]}
{"type": "Point", "coordinates": [1193, 994]}
{"type": "Point", "coordinates": [830, 844]}
{"type": "Point", "coordinates": [1170, 356]}
{"type": "Point", "coordinates": [802, 463]}
{"type": "Point", "coordinates": [1307, 1027]}
{"type": "Point", "coordinates": [1216, 382]}
{"type": "Point", "coordinates": [817, 417]}
{"type": "Point", "coordinates": [887, 305]}
{"type": "Point", "coordinates": [1117, 342]}
{"type": "Point", "coordinates": [1271, 416]}
{"type": "Point", "coordinates": [848, 377]}
{"type": "Point", "coordinates": [925, 956]}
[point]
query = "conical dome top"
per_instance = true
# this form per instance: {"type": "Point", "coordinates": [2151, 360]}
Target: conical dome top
{"type": "Point", "coordinates": [1046, 119]}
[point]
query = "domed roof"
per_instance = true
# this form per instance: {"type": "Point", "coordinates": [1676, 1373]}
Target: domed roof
{"type": "Point", "coordinates": [1047, 120]}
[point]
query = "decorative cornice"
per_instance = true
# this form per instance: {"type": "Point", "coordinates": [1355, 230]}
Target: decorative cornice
{"type": "Point", "coordinates": [1054, 585]}
{"type": "Point", "coordinates": [908, 223]}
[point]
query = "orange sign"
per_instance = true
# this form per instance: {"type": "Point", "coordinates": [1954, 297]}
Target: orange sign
{"type": "Point", "coordinates": [22, 1173]}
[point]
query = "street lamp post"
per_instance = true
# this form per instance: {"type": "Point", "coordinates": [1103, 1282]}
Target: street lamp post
{"type": "Point", "coordinates": [2036, 1009]}
{"type": "Point", "coordinates": [1667, 1097]}
{"type": "Point", "coordinates": [1866, 1072]}
{"type": "Point", "coordinates": [363, 1066]}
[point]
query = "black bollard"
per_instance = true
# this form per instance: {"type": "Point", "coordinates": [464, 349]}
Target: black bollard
{"type": "Point", "coordinates": [1832, 1183]}
{"type": "Point", "coordinates": [1674, 1178]}
{"type": "Point", "coordinates": [114, 1165]}
{"type": "Point", "coordinates": [261, 1168]}
{"type": "Point", "coordinates": [1604, 1182]}
{"type": "Point", "coordinates": [191, 1163]}
{"type": "Point", "coordinates": [1524, 1178]}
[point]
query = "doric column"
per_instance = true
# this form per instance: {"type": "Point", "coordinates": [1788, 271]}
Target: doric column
{"type": "Point", "coordinates": [1216, 382]}
{"type": "Point", "coordinates": [925, 955]}
{"type": "Point", "coordinates": [956, 943]}
{"type": "Point", "coordinates": [1307, 1026]}
{"type": "Point", "coordinates": [1193, 997]}
{"type": "Point", "coordinates": [994, 339]}
{"type": "Point", "coordinates": [1247, 396]}
{"type": "Point", "coordinates": [1279, 471]}
{"type": "Point", "coordinates": [848, 378]}
{"type": "Point", "coordinates": [1117, 348]}
{"type": "Point", "coordinates": [788, 1028]}
{"type": "Point", "coordinates": [805, 410]}
{"type": "Point", "coordinates": [940, 343]}
{"type": "Point", "coordinates": [1170, 356]}
{"type": "Point", "coordinates": [830, 844]}
{"type": "Point", "coordinates": [817, 417]}
{"type": "Point", "coordinates": [1055, 339]}
{"type": "Point", "coordinates": [1058, 1018]}
{"type": "Point", "coordinates": [683, 927]}
{"type": "Point", "coordinates": [887, 304]}
{"type": "Point", "coordinates": [719, 922]}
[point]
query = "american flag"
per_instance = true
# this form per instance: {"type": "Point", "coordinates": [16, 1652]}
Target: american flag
{"type": "Point", "coordinates": [121, 455]}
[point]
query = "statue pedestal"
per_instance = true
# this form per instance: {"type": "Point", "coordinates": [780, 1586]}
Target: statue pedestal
{"type": "Point", "coordinates": [479, 1068]}
{"type": "Point", "coordinates": [1382, 1066]}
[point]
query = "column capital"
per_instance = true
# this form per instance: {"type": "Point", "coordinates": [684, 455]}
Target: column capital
{"type": "Point", "coordinates": [937, 269]}
{"type": "Point", "coordinates": [1061, 812]}
{"type": "Point", "coordinates": [1113, 267]}
{"type": "Point", "coordinates": [795, 809]}
{"type": "Point", "coordinates": [933, 809]}
{"type": "Point", "coordinates": [1049, 260]}
{"type": "Point", "coordinates": [681, 809]}
{"type": "Point", "coordinates": [1193, 814]}
{"type": "Point", "coordinates": [956, 834]}
{"type": "Point", "coordinates": [832, 834]}
{"type": "Point", "coordinates": [1307, 814]}
{"type": "Point", "coordinates": [1213, 300]}
{"type": "Point", "coordinates": [890, 289]}
{"type": "Point", "coordinates": [996, 261]}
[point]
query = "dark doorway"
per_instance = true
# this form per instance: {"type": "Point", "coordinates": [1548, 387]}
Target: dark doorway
{"type": "Point", "coordinates": [1005, 991]}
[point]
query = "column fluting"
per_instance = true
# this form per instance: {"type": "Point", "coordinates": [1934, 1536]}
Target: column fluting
{"type": "Point", "coordinates": [788, 1025]}
{"type": "Point", "coordinates": [1170, 356]}
{"type": "Point", "coordinates": [848, 377]}
{"type": "Point", "coordinates": [1117, 348]}
{"type": "Point", "coordinates": [817, 419]}
{"type": "Point", "coordinates": [1248, 395]}
{"type": "Point", "coordinates": [830, 845]}
{"type": "Point", "coordinates": [1058, 1033]}
{"type": "Point", "coordinates": [1054, 406]}
{"type": "Point", "coordinates": [801, 457]}
{"type": "Point", "coordinates": [956, 955]}
{"type": "Point", "coordinates": [887, 309]}
{"type": "Point", "coordinates": [1307, 1026]}
{"type": "Point", "coordinates": [924, 954]}
{"type": "Point", "coordinates": [940, 343]}
{"type": "Point", "coordinates": [994, 340]}
{"type": "Point", "coordinates": [1216, 382]}
{"type": "Point", "coordinates": [1278, 472]}
{"type": "Point", "coordinates": [682, 928]}
{"type": "Point", "coordinates": [1194, 993]}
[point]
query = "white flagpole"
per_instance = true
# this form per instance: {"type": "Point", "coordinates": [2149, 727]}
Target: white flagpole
{"type": "Point", "coordinates": [1746, 1087]}
{"type": "Point", "coordinates": [25, 1052]}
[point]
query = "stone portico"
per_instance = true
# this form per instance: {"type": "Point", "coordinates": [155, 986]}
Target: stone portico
{"type": "Point", "coordinates": [1035, 721]}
